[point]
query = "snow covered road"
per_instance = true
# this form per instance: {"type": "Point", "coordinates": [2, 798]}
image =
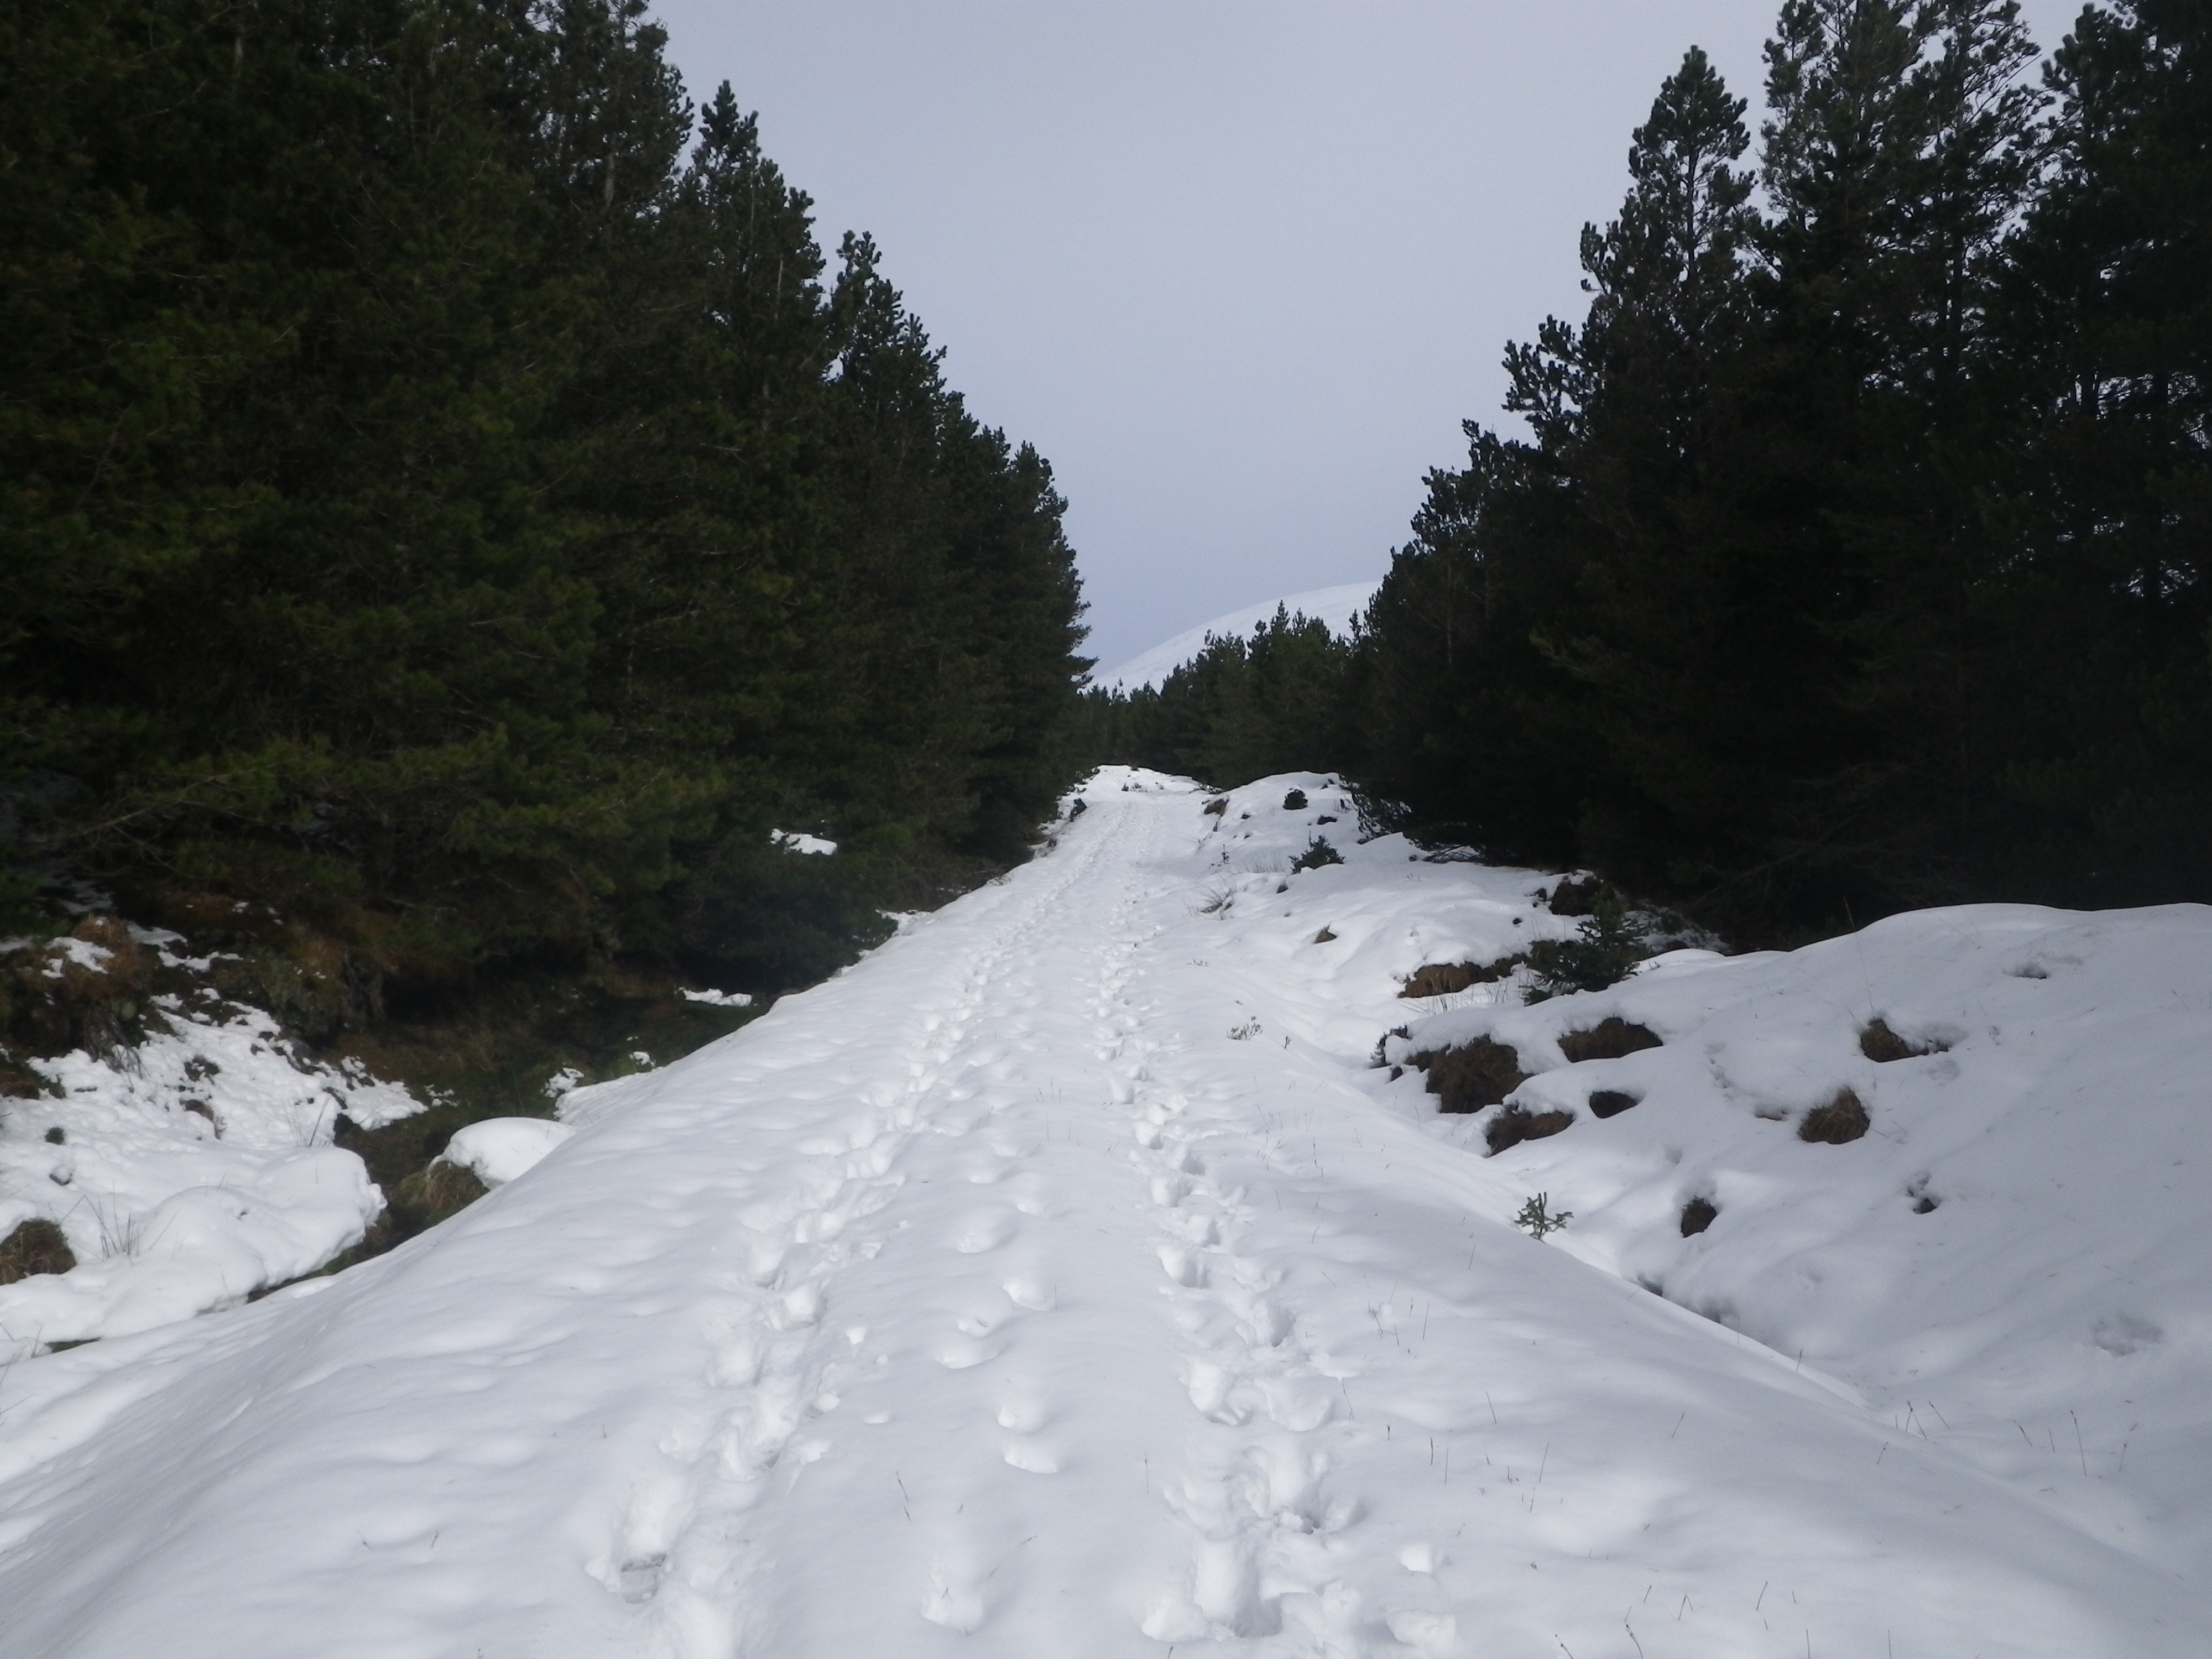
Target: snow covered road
{"type": "Point", "coordinates": [1061, 1280]}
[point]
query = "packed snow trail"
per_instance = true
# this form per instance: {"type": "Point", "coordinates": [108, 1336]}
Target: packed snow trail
{"type": "Point", "coordinates": [1041, 1286]}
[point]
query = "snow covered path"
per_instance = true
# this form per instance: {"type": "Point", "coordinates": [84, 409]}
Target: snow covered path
{"type": "Point", "coordinates": [1060, 1282]}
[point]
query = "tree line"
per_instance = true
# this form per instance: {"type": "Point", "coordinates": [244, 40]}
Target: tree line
{"type": "Point", "coordinates": [1854, 549]}
{"type": "Point", "coordinates": [451, 497]}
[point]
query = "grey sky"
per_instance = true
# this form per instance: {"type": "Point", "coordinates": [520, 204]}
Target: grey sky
{"type": "Point", "coordinates": [1238, 269]}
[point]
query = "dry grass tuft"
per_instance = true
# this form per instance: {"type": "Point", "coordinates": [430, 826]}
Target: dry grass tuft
{"type": "Point", "coordinates": [36, 1246]}
{"type": "Point", "coordinates": [1437, 979]}
{"type": "Point", "coordinates": [1843, 1119]}
{"type": "Point", "coordinates": [1878, 1043]}
{"type": "Point", "coordinates": [1468, 1078]}
{"type": "Point", "coordinates": [1513, 1125]}
{"type": "Point", "coordinates": [442, 1188]}
{"type": "Point", "coordinates": [1609, 1039]}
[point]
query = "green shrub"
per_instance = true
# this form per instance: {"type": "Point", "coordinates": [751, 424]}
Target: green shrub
{"type": "Point", "coordinates": [1607, 947]}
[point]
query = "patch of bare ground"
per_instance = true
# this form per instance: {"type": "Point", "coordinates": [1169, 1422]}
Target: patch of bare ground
{"type": "Point", "coordinates": [1477, 1074]}
{"type": "Point", "coordinates": [1436, 979]}
{"type": "Point", "coordinates": [1515, 1125]}
{"type": "Point", "coordinates": [1612, 1038]}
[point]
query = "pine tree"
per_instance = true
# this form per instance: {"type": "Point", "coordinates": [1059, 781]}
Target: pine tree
{"type": "Point", "coordinates": [445, 511]}
{"type": "Point", "coordinates": [2105, 612]}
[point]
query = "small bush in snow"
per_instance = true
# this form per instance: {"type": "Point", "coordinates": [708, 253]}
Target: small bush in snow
{"type": "Point", "coordinates": [1538, 1220]}
{"type": "Point", "coordinates": [1318, 852]}
{"type": "Point", "coordinates": [1295, 801]}
{"type": "Point", "coordinates": [1608, 945]}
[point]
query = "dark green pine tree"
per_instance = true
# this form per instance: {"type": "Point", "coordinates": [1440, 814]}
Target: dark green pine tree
{"type": "Point", "coordinates": [1536, 672]}
{"type": "Point", "coordinates": [1670, 629]}
{"type": "Point", "coordinates": [443, 512]}
{"type": "Point", "coordinates": [1919, 409]}
{"type": "Point", "coordinates": [1893, 156]}
{"type": "Point", "coordinates": [2105, 612]}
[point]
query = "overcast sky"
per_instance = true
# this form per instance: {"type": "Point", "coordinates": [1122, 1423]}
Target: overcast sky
{"type": "Point", "coordinates": [1239, 270]}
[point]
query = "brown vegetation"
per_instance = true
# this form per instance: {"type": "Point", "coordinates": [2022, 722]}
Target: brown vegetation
{"type": "Point", "coordinates": [1609, 1039]}
{"type": "Point", "coordinates": [1436, 979]}
{"type": "Point", "coordinates": [1843, 1119]}
{"type": "Point", "coordinates": [35, 1247]}
{"type": "Point", "coordinates": [1477, 1074]}
{"type": "Point", "coordinates": [1580, 898]}
{"type": "Point", "coordinates": [1513, 1125]}
{"type": "Point", "coordinates": [1881, 1044]}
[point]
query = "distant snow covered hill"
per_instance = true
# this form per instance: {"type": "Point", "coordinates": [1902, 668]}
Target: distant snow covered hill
{"type": "Point", "coordinates": [1090, 1272]}
{"type": "Point", "coordinates": [1336, 606]}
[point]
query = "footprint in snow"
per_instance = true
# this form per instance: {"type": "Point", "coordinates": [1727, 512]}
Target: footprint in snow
{"type": "Point", "coordinates": [983, 1230]}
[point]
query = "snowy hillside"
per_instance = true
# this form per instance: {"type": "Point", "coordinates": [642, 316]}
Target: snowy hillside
{"type": "Point", "coordinates": [1336, 606]}
{"type": "Point", "coordinates": [1089, 1272]}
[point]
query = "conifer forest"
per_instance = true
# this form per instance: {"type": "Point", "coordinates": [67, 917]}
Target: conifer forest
{"type": "Point", "coordinates": [1853, 550]}
{"type": "Point", "coordinates": [452, 503]}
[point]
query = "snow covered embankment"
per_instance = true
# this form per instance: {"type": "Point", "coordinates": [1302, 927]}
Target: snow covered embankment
{"type": "Point", "coordinates": [186, 1169]}
{"type": "Point", "coordinates": [1066, 1280]}
{"type": "Point", "coordinates": [1958, 1158]}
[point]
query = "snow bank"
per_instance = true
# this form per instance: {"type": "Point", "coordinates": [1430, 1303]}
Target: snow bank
{"type": "Point", "coordinates": [186, 1172]}
{"type": "Point", "coordinates": [496, 1149]}
{"type": "Point", "coordinates": [2010, 1257]}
